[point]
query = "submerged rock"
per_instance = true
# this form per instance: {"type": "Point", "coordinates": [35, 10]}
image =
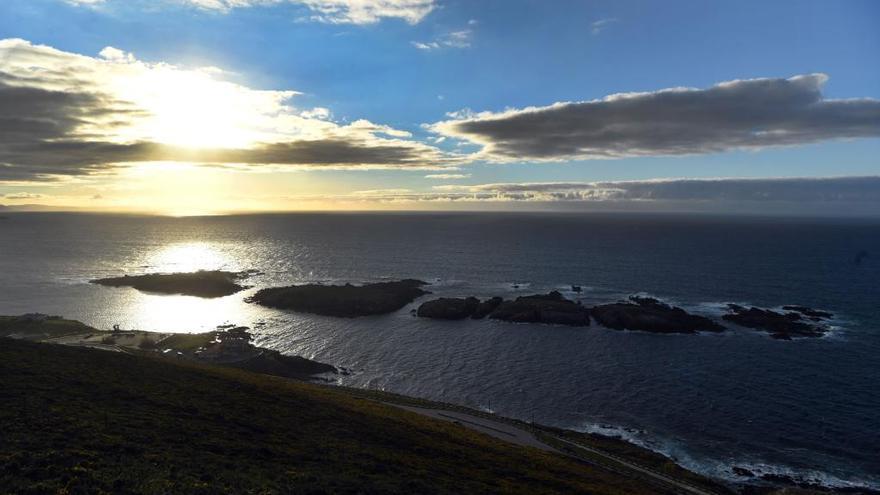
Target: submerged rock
{"type": "Point", "coordinates": [779, 325]}
{"type": "Point", "coordinates": [543, 308]}
{"type": "Point", "coordinates": [342, 300]}
{"type": "Point", "coordinates": [214, 283]}
{"type": "Point", "coordinates": [650, 315]}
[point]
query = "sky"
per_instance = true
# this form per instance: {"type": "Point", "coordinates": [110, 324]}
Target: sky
{"type": "Point", "coordinates": [211, 106]}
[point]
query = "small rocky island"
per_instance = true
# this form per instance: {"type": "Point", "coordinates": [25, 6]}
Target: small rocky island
{"type": "Point", "coordinates": [550, 308]}
{"type": "Point", "coordinates": [799, 321]}
{"type": "Point", "coordinates": [639, 313]}
{"type": "Point", "coordinates": [650, 315]}
{"type": "Point", "coordinates": [456, 308]}
{"type": "Point", "coordinates": [342, 300]}
{"type": "Point", "coordinates": [204, 283]}
{"type": "Point", "coordinates": [645, 314]}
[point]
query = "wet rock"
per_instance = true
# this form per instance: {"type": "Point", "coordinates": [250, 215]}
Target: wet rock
{"type": "Point", "coordinates": [741, 471]}
{"type": "Point", "coordinates": [783, 326]}
{"type": "Point", "coordinates": [814, 314]}
{"type": "Point", "coordinates": [650, 315]}
{"type": "Point", "coordinates": [543, 308]}
{"type": "Point", "coordinates": [486, 307]}
{"type": "Point", "coordinates": [342, 300]}
{"type": "Point", "coordinates": [449, 308]}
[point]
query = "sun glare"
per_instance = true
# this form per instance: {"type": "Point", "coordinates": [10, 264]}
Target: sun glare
{"type": "Point", "coordinates": [188, 257]}
{"type": "Point", "coordinates": [195, 109]}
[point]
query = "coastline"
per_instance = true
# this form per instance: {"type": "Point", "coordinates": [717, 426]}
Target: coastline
{"type": "Point", "coordinates": [607, 451]}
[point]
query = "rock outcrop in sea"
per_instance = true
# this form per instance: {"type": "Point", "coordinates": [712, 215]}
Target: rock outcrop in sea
{"type": "Point", "coordinates": [650, 315]}
{"type": "Point", "coordinates": [449, 308]}
{"type": "Point", "coordinates": [550, 308]}
{"type": "Point", "coordinates": [801, 322]}
{"type": "Point", "coordinates": [204, 283]}
{"type": "Point", "coordinates": [540, 308]}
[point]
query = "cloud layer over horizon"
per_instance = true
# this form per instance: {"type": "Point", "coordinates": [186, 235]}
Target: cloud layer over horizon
{"type": "Point", "coordinates": [740, 114]}
{"type": "Point", "coordinates": [822, 196]}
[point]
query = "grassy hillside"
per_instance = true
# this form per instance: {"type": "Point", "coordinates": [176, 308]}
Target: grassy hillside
{"type": "Point", "coordinates": [43, 327]}
{"type": "Point", "coordinates": [83, 421]}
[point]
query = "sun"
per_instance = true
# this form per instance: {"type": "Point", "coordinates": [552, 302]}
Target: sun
{"type": "Point", "coordinates": [197, 109]}
{"type": "Point", "coordinates": [189, 109]}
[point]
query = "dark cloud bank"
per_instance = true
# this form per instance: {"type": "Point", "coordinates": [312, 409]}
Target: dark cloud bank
{"type": "Point", "coordinates": [733, 115]}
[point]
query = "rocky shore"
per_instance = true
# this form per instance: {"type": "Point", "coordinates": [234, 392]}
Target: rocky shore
{"type": "Point", "coordinates": [229, 345]}
{"type": "Point", "coordinates": [214, 283]}
{"type": "Point", "coordinates": [342, 300]}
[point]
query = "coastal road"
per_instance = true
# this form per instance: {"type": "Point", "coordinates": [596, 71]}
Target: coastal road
{"type": "Point", "coordinates": [504, 431]}
{"type": "Point", "coordinates": [519, 436]}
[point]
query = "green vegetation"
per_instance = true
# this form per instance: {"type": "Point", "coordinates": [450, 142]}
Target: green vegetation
{"type": "Point", "coordinates": [75, 420]}
{"type": "Point", "coordinates": [643, 457]}
{"type": "Point", "coordinates": [37, 326]}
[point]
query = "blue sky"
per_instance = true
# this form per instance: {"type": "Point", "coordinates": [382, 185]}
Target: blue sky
{"type": "Point", "coordinates": [490, 56]}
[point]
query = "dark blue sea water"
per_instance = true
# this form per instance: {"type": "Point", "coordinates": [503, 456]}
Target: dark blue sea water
{"type": "Point", "coordinates": [809, 408]}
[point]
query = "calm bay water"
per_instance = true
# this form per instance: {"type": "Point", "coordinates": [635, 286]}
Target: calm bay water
{"type": "Point", "coordinates": [808, 407]}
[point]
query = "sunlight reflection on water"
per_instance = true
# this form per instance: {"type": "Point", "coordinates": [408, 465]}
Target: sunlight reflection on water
{"type": "Point", "coordinates": [187, 257]}
{"type": "Point", "coordinates": [179, 313]}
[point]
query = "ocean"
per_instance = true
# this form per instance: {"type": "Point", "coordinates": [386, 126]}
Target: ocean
{"type": "Point", "coordinates": [806, 408]}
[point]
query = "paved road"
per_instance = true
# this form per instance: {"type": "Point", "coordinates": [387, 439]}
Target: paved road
{"type": "Point", "coordinates": [504, 431]}
{"type": "Point", "coordinates": [519, 436]}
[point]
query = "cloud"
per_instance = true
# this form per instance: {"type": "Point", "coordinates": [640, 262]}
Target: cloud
{"type": "Point", "coordinates": [66, 115]}
{"type": "Point", "coordinates": [839, 196]}
{"type": "Point", "coordinates": [741, 114]}
{"type": "Point", "coordinates": [453, 39]}
{"type": "Point", "coordinates": [448, 176]}
{"type": "Point", "coordinates": [330, 11]}
{"type": "Point", "coordinates": [798, 190]}
{"type": "Point", "coordinates": [316, 113]}
{"type": "Point", "coordinates": [596, 27]}
{"type": "Point", "coordinates": [22, 196]}
{"type": "Point", "coordinates": [381, 192]}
